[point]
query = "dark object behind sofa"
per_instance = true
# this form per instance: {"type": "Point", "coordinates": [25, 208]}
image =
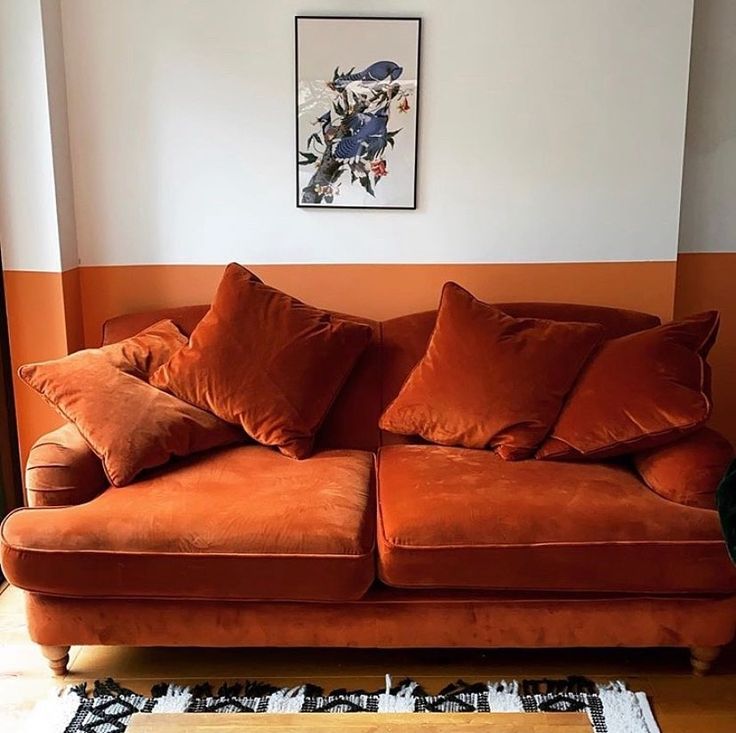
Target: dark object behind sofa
{"type": "Point", "coordinates": [726, 502]}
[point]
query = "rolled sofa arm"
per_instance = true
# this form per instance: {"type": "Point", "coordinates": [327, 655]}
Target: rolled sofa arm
{"type": "Point", "coordinates": [689, 470]}
{"type": "Point", "coordinates": [62, 470]}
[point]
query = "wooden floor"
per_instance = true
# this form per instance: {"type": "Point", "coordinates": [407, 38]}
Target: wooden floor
{"type": "Point", "coordinates": [681, 703]}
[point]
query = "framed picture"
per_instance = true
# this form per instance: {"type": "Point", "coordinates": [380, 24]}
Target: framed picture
{"type": "Point", "coordinates": [357, 104]}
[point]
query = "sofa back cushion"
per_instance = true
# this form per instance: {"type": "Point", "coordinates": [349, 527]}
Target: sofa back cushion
{"type": "Point", "coordinates": [397, 345]}
{"type": "Point", "coordinates": [123, 327]}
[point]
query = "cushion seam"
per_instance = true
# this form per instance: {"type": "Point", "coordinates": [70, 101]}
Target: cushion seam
{"type": "Point", "coordinates": [613, 543]}
{"type": "Point", "coordinates": [242, 555]}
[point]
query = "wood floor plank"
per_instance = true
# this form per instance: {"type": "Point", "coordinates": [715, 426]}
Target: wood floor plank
{"type": "Point", "coordinates": [362, 723]}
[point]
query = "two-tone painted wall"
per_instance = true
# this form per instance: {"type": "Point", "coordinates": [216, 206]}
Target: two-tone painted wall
{"type": "Point", "coordinates": [37, 231]}
{"type": "Point", "coordinates": [143, 144]}
{"type": "Point", "coordinates": [706, 271]}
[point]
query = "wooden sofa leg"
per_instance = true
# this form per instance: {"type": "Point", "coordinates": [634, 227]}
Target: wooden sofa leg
{"type": "Point", "coordinates": [702, 657]}
{"type": "Point", "coordinates": [58, 658]}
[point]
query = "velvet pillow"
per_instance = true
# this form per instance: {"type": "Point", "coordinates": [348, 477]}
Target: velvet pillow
{"type": "Point", "coordinates": [140, 355]}
{"type": "Point", "coordinates": [640, 391]}
{"type": "Point", "coordinates": [689, 470]}
{"type": "Point", "coordinates": [128, 423]}
{"type": "Point", "coordinates": [488, 379]}
{"type": "Point", "coordinates": [266, 361]}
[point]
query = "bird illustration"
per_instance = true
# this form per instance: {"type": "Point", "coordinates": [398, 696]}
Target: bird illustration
{"type": "Point", "coordinates": [377, 71]}
{"type": "Point", "coordinates": [364, 135]}
{"type": "Point", "coordinates": [328, 129]}
{"type": "Point", "coordinates": [339, 128]}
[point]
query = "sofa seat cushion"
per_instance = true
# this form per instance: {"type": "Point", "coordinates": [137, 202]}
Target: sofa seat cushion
{"type": "Point", "coordinates": [241, 523]}
{"type": "Point", "coordinates": [462, 518]}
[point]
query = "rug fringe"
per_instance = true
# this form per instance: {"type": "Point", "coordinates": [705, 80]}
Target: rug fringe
{"type": "Point", "coordinates": [176, 699]}
{"type": "Point", "coordinates": [287, 700]}
{"type": "Point", "coordinates": [397, 700]}
{"type": "Point", "coordinates": [647, 714]}
{"type": "Point", "coordinates": [624, 711]}
{"type": "Point", "coordinates": [503, 697]}
{"type": "Point", "coordinates": [53, 714]}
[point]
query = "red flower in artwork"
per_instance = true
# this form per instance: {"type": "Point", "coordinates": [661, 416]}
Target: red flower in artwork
{"type": "Point", "coordinates": [404, 105]}
{"type": "Point", "coordinates": [378, 168]}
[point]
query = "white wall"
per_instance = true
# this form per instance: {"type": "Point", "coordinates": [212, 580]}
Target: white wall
{"type": "Point", "coordinates": [57, 95]}
{"type": "Point", "coordinates": [709, 186]}
{"type": "Point", "coordinates": [549, 131]}
{"type": "Point", "coordinates": [29, 233]}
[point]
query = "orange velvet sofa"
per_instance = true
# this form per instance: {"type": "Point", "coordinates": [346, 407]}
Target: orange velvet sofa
{"type": "Point", "coordinates": [374, 541]}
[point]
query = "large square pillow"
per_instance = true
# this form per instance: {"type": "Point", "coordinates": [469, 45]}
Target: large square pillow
{"type": "Point", "coordinates": [128, 424]}
{"type": "Point", "coordinates": [266, 361]}
{"type": "Point", "coordinates": [638, 392]}
{"type": "Point", "coordinates": [488, 380]}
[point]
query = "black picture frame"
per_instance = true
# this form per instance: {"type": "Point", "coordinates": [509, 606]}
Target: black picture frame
{"type": "Point", "coordinates": [373, 173]}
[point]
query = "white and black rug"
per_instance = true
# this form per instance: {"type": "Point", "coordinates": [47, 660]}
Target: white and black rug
{"type": "Point", "coordinates": [611, 708]}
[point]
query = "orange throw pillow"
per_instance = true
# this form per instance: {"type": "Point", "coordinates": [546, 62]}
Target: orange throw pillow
{"type": "Point", "coordinates": [689, 470]}
{"type": "Point", "coordinates": [266, 361]}
{"type": "Point", "coordinates": [130, 425]}
{"type": "Point", "coordinates": [640, 391]}
{"type": "Point", "coordinates": [488, 379]}
{"type": "Point", "coordinates": [141, 354]}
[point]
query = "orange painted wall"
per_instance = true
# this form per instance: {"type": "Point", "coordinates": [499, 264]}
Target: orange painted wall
{"type": "Point", "coordinates": [380, 291]}
{"type": "Point", "coordinates": [37, 329]}
{"type": "Point", "coordinates": [708, 281]}
{"type": "Point", "coordinates": [74, 324]}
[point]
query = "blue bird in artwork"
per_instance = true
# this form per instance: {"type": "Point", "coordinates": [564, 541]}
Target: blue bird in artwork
{"type": "Point", "coordinates": [377, 71]}
{"type": "Point", "coordinates": [365, 135]}
{"type": "Point", "coordinates": [328, 129]}
{"type": "Point", "coordinates": [325, 120]}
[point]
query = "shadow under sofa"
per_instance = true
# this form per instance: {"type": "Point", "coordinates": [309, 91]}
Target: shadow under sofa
{"type": "Point", "coordinates": [375, 541]}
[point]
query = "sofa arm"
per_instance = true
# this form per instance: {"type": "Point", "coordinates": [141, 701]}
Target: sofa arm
{"type": "Point", "coordinates": [62, 470]}
{"type": "Point", "coordinates": [689, 470]}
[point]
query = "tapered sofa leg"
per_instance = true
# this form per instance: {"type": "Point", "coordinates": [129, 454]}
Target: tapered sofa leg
{"type": "Point", "coordinates": [702, 657]}
{"type": "Point", "coordinates": [58, 658]}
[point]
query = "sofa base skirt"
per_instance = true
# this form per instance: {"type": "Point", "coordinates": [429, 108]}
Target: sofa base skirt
{"type": "Point", "coordinates": [389, 620]}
